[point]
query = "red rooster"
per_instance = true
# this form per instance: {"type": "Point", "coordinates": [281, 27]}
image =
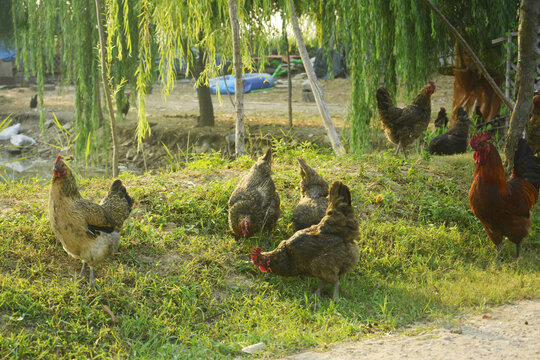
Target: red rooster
{"type": "Point", "coordinates": [503, 207]}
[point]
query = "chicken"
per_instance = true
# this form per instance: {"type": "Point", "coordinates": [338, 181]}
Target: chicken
{"type": "Point", "coordinates": [314, 198]}
{"type": "Point", "coordinates": [454, 141]}
{"type": "Point", "coordinates": [87, 231]}
{"type": "Point", "coordinates": [503, 207]}
{"type": "Point", "coordinates": [533, 131]}
{"type": "Point", "coordinates": [254, 204]}
{"type": "Point", "coordinates": [442, 120]}
{"type": "Point", "coordinates": [403, 126]}
{"type": "Point", "coordinates": [33, 102]}
{"type": "Point", "coordinates": [325, 251]}
{"type": "Point", "coordinates": [125, 107]}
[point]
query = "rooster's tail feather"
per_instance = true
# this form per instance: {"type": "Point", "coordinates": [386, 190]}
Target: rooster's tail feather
{"type": "Point", "coordinates": [526, 165]}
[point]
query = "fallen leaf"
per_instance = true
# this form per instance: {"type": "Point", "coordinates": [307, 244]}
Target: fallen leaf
{"type": "Point", "coordinates": [108, 311]}
{"type": "Point", "coordinates": [487, 317]}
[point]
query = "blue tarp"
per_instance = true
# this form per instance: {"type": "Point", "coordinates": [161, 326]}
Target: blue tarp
{"type": "Point", "coordinates": [6, 54]}
{"type": "Point", "coordinates": [252, 81]}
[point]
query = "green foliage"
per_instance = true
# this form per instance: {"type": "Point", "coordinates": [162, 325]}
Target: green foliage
{"type": "Point", "coordinates": [181, 286]}
{"type": "Point", "coordinates": [400, 41]}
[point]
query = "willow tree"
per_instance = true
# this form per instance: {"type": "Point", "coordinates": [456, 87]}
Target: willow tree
{"type": "Point", "coordinates": [400, 42]}
{"type": "Point", "coordinates": [45, 29]}
{"type": "Point", "coordinates": [144, 37]}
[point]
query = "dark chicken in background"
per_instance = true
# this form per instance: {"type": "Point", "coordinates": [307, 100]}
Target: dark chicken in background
{"type": "Point", "coordinates": [125, 107]}
{"type": "Point", "coordinates": [254, 204]}
{"type": "Point", "coordinates": [442, 120]}
{"type": "Point", "coordinates": [454, 141]}
{"type": "Point", "coordinates": [314, 198]}
{"type": "Point", "coordinates": [33, 102]}
{"type": "Point", "coordinates": [325, 251]}
{"type": "Point", "coordinates": [533, 130]}
{"type": "Point", "coordinates": [403, 125]}
{"type": "Point", "coordinates": [504, 207]}
{"type": "Point", "coordinates": [88, 231]}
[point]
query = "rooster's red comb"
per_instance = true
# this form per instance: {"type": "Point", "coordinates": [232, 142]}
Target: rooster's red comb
{"type": "Point", "coordinates": [478, 138]}
{"type": "Point", "coordinates": [255, 254]}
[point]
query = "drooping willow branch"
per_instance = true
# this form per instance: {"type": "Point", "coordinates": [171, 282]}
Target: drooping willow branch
{"type": "Point", "coordinates": [471, 53]}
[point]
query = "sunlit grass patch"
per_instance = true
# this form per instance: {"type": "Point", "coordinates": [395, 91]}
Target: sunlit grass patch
{"type": "Point", "coordinates": [181, 286]}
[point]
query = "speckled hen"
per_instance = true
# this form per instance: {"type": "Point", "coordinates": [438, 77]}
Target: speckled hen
{"type": "Point", "coordinates": [314, 198]}
{"type": "Point", "coordinates": [254, 204]}
{"type": "Point", "coordinates": [88, 231]}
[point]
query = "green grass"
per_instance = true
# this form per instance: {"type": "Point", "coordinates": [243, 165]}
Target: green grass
{"type": "Point", "coordinates": [180, 286]}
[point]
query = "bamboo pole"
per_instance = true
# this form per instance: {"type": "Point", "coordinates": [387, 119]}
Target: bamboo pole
{"type": "Point", "coordinates": [107, 91]}
{"type": "Point", "coordinates": [315, 86]}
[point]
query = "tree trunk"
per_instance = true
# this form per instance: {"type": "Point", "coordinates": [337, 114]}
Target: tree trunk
{"type": "Point", "coordinates": [315, 86]}
{"type": "Point", "coordinates": [529, 13]}
{"type": "Point", "coordinates": [206, 108]}
{"type": "Point", "coordinates": [239, 86]}
{"type": "Point", "coordinates": [289, 81]}
{"type": "Point", "coordinates": [107, 91]}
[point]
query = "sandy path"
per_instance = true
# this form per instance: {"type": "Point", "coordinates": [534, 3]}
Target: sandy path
{"type": "Point", "coordinates": [507, 332]}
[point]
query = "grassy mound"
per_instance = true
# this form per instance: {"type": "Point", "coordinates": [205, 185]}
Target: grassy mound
{"type": "Point", "coordinates": [180, 286]}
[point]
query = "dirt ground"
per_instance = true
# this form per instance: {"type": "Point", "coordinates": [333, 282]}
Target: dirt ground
{"type": "Point", "coordinates": [506, 332]}
{"type": "Point", "coordinates": [173, 121]}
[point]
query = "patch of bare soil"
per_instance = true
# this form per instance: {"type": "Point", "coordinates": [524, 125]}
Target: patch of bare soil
{"type": "Point", "coordinates": [173, 119]}
{"type": "Point", "coordinates": [506, 332]}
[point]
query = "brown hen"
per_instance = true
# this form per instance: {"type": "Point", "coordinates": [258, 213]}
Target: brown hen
{"type": "Point", "coordinates": [325, 251]}
{"type": "Point", "coordinates": [314, 198]}
{"type": "Point", "coordinates": [403, 125]}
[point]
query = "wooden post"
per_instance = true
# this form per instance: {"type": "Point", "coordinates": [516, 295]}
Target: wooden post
{"type": "Point", "coordinates": [507, 83]}
{"type": "Point", "coordinates": [289, 81]}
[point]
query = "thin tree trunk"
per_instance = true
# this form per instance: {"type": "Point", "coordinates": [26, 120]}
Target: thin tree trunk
{"type": "Point", "coordinates": [529, 13]}
{"type": "Point", "coordinates": [289, 81]}
{"type": "Point", "coordinates": [239, 86]}
{"type": "Point", "coordinates": [315, 86]}
{"type": "Point", "coordinates": [473, 56]}
{"type": "Point", "coordinates": [107, 91]}
{"type": "Point", "coordinates": [206, 108]}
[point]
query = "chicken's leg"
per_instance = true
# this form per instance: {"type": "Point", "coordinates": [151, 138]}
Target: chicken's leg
{"type": "Point", "coordinates": [518, 249]}
{"type": "Point", "coordinates": [83, 271]}
{"type": "Point", "coordinates": [404, 153]}
{"type": "Point", "coordinates": [336, 291]}
{"type": "Point", "coordinates": [92, 279]}
{"type": "Point", "coordinates": [397, 149]}
{"type": "Point", "coordinates": [499, 257]}
{"type": "Point", "coordinates": [318, 291]}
